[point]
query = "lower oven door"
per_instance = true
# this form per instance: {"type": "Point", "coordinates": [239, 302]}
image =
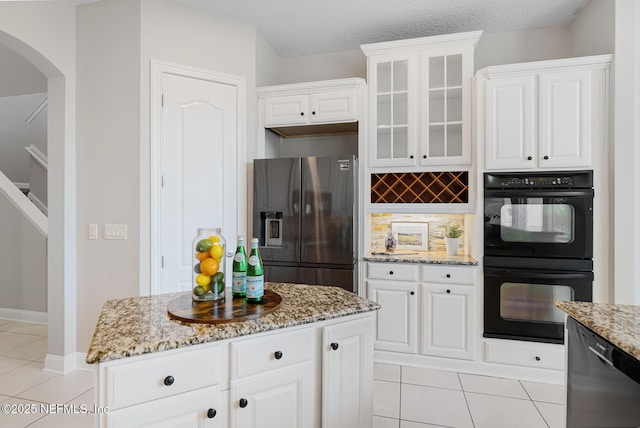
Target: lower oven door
{"type": "Point", "coordinates": [519, 302]}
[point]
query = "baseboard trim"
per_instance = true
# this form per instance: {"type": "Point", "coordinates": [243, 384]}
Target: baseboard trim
{"type": "Point", "coordinates": [68, 363]}
{"type": "Point", "coordinates": [23, 315]}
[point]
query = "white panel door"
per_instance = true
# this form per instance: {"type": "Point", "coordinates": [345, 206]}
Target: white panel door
{"type": "Point", "coordinates": [282, 398]}
{"type": "Point", "coordinates": [509, 130]}
{"type": "Point", "coordinates": [198, 165]}
{"type": "Point", "coordinates": [396, 320]}
{"type": "Point", "coordinates": [565, 119]}
{"type": "Point", "coordinates": [347, 375]}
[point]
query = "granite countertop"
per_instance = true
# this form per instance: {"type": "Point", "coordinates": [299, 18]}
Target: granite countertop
{"type": "Point", "coordinates": [426, 257]}
{"type": "Point", "coordinates": [141, 325]}
{"type": "Point", "coordinates": [619, 324]}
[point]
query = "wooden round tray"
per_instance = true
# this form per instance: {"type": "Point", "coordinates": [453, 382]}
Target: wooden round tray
{"type": "Point", "coordinates": [231, 310]}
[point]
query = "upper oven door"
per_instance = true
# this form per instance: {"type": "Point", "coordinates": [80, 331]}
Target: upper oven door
{"type": "Point", "coordinates": [538, 223]}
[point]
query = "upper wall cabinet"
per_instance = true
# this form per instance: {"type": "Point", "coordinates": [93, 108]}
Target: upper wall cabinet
{"type": "Point", "coordinates": [420, 100]}
{"type": "Point", "coordinates": [333, 101]}
{"type": "Point", "coordinates": [545, 114]}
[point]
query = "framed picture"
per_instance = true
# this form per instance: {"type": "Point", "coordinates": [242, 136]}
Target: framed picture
{"type": "Point", "coordinates": [411, 235]}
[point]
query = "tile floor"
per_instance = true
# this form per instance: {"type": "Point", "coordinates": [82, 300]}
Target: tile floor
{"type": "Point", "coordinates": [404, 397]}
{"type": "Point", "coordinates": [409, 397]}
{"type": "Point", "coordinates": [25, 386]}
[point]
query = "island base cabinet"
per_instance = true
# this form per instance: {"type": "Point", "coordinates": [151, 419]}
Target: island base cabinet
{"type": "Point", "coordinates": [204, 408]}
{"type": "Point", "coordinates": [284, 398]}
{"type": "Point", "coordinates": [347, 375]}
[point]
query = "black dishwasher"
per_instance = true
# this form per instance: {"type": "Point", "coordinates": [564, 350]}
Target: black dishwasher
{"type": "Point", "coordinates": [603, 382]}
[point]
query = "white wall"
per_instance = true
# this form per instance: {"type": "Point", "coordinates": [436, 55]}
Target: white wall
{"type": "Point", "coordinates": [522, 46]}
{"type": "Point", "coordinates": [45, 34]}
{"type": "Point", "coordinates": [311, 68]}
{"type": "Point", "coordinates": [19, 76]}
{"type": "Point", "coordinates": [592, 31]}
{"type": "Point", "coordinates": [23, 262]}
{"type": "Point", "coordinates": [113, 128]}
{"type": "Point", "coordinates": [268, 63]}
{"type": "Point", "coordinates": [15, 134]}
{"type": "Point", "coordinates": [108, 151]}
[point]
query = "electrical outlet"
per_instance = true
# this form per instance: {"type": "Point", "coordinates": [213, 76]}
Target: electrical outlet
{"type": "Point", "coordinates": [93, 231]}
{"type": "Point", "coordinates": [115, 231]}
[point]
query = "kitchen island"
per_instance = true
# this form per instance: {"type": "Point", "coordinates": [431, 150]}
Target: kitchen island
{"type": "Point", "coordinates": [309, 363]}
{"type": "Point", "coordinates": [603, 364]}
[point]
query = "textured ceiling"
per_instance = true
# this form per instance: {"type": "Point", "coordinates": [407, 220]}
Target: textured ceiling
{"type": "Point", "coordinates": [303, 27]}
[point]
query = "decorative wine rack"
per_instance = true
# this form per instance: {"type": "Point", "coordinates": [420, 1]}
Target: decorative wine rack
{"type": "Point", "coordinates": [449, 187]}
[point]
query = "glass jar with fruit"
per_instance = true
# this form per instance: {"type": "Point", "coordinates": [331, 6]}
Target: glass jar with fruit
{"type": "Point", "coordinates": [208, 267]}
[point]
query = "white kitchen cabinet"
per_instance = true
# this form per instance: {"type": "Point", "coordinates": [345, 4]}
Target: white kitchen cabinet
{"type": "Point", "coordinates": [281, 374]}
{"type": "Point", "coordinates": [347, 375]}
{"type": "Point", "coordinates": [420, 100]}
{"type": "Point", "coordinates": [203, 408]}
{"type": "Point", "coordinates": [543, 114]}
{"type": "Point", "coordinates": [309, 103]}
{"type": "Point", "coordinates": [447, 316]}
{"type": "Point", "coordinates": [283, 398]}
{"type": "Point", "coordinates": [394, 287]}
{"type": "Point", "coordinates": [427, 309]}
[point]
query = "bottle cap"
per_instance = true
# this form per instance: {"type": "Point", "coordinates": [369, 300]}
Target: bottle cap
{"type": "Point", "coordinates": [254, 240]}
{"type": "Point", "coordinates": [240, 238]}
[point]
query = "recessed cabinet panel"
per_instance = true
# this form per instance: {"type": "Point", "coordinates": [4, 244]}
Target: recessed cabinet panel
{"type": "Point", "coordinates": [565, 112]}
{"type": "Point", "coordinates": [396, 319]}
{"type": "Point", "coordinates": [510, 133]}
{"type": "Point", "coordinates": [285, 110]}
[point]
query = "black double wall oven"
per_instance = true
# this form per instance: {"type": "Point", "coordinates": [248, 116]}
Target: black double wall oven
{"type": "Point", "coordinates": [538, 248]}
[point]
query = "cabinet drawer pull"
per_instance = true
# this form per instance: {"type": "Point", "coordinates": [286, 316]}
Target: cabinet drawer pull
{"type": "Point", "coordinates": [448, 291]}
{"type": "Point", "coordinates": [277, 355]}
{"type": "Point", "coordinates": [538, 358]}
{"type": "Point", "coordinates": [390, 272]}
{"type": "Point", "coordinates": [448, 275]}
{"type": "Point", "coordinates": [243, 403]}
{"type": "Point", "coordinates": [334, 346]}
{"type": "Point", "coordinates": [211, 413]}
{"type": "Point", "coordinates": [529, 158]}
{"type": "Point", "coordinates": [168, 380]}
{"type": "Point", "coordinates": [412, 293]}
{"type": "Point", "coordinates": [411, 157]}
{"type": "Point", "coordinates": [546, 158]}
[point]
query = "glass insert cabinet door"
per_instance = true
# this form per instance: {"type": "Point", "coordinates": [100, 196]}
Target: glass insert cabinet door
{"type": "Point", "coordinates": [393, 89]}
{"type": "Point", "coordinates": [445, 108]}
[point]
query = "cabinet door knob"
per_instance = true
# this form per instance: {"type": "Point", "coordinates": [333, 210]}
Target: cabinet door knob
{"type": "Point", "coordinates": [390, 272]}
{"type": "Point", "coordinates": [546, 158]}
{"type": "Point", "coordinates": [168, 380]}
{"type": "Point", "coordinates": [277, 354]}
{"type": "Point", "coordinates": [538, 358]}
{"type": "Point", "coordinates": [448, 291]}
{"type": "Point", "coordinates": [424, 156]}
{"type": "Point", "coordinates": [243, 403]}
{"type": "Point", "coordinates": [335, 346]}
{"type": "Point", "coordinates": [301, 113]}
{"type": "Point", "coordinates": [412, 293]}
{"type": "Point", "coordinates": [448, 275]}
{"type": "Point", "coordinates": [211, 413]}
{"type": "Point", "coordinates": [411, 157]}
{"type": "Point", "coordinates": [529, 158]}
{"type": "Point", "coordinates": [313, 112]}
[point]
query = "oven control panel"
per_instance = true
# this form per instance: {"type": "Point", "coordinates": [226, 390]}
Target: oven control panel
{"type": "Point", "coordinates": [545, 180]}
{"type": "Point", "coordinates": [536, 181]}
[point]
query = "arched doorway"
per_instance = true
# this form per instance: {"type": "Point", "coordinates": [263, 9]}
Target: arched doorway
{"type": "Point", "coordinates": [61, 242]}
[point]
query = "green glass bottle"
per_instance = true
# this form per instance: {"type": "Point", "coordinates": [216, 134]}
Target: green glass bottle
{"type": "Point", "coordinates": [239, 271]}
{"type": "Point", "coordinates": [255, 274]}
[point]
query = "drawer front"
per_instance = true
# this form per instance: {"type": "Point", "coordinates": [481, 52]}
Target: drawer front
{"type": "Point", "coordinates": [447, 274]}
{"type": "Point", "coordinates": [540, 355]}
{"type": "Point", "coordinates": [149, 378]}
{"type": "Point", "coordinates": [394, 271]}
{"type": "Point", "coordinates": [276, 351]}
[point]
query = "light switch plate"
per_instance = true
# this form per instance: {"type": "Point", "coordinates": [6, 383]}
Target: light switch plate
{"type": "Point", "coordinates": [115, 231]}
{"type": "Point", "coordinates": [93, 231]}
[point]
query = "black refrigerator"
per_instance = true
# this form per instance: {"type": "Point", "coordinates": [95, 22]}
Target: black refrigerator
{"type": "Point", "coordinates": [305, 216]}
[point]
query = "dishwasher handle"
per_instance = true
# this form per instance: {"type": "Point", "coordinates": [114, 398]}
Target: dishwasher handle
{"type": "Point", "coordinates": [599, 355]}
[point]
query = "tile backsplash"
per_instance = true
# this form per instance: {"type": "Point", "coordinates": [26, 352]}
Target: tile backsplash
{"type": "Point", "coordinates": [381, 222]}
